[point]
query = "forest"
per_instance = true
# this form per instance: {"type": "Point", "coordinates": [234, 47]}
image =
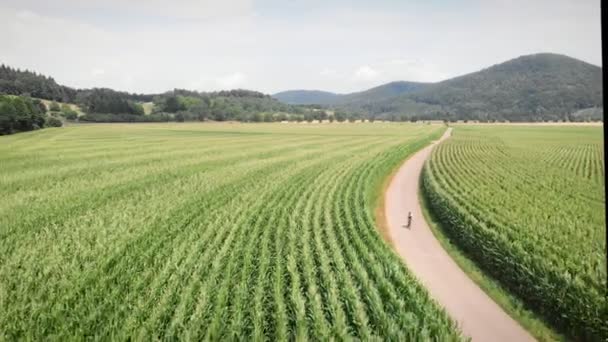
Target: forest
{"type": "Point", "coordinates": [20, 114]}
{"type": "Point", "coordinates": [108, 105]}
{"type": "Point", "coordinates": [532, 88]}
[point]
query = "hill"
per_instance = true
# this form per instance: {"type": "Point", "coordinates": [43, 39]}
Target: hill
{"type": "Point", "coordinates": [383, 92]}
{"type": "Point", "coordinates": [319, 97]}
{"type": "Point", "coordinates": [20, 82]}
{"type": "Point", "coordinates": [306, 97]}
{"type": "Point", "coordinates": [535, 87]}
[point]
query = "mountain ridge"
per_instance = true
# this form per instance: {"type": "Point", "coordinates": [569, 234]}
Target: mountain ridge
{"type": "Point", "coordinates": [542, 86]}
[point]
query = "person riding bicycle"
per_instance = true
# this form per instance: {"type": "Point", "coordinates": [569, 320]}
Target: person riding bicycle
{"type": "Point", "coordinates": [409, 219]}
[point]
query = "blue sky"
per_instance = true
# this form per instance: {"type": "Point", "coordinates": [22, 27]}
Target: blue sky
{"type": "Point", "coordinates": [272, 45]}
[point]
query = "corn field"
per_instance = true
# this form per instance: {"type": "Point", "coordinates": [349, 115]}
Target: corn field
{"type": "Point", "coordinates": [207, 231]}
{"type": "Point", "coordinates": [528, 205]}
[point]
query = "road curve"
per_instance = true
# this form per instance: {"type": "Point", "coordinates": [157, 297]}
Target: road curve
{"type": "Point", "coordinates": [478, 316]}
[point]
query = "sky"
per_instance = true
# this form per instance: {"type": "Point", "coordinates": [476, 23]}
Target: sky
{"type": "Point", "coordinates": [151, 46]}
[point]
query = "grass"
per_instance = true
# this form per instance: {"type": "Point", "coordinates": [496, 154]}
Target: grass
{"type": "Point", "coordinates": [206, 231]}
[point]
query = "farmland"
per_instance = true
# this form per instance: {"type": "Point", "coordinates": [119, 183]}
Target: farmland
{"type": "Point", "coordinates": [528, 204]}
{"type": "Point", "coordinates": [216, 231]}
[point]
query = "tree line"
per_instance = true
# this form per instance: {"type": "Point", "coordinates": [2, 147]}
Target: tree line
{"type": "Point", "coordinates": [107, 105]}
{"type": "Point", "coordinates": [21, 114]}
{"type": "Point", "coordinates": [97, 100]}
{"type": "Point", "coordinates": [18, 82]}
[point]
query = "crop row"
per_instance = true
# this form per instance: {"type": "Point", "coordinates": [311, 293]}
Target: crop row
{"type": "Point", "coordinates": [528, 206]}
{"type": "Point", "coordinates": [195, 232]}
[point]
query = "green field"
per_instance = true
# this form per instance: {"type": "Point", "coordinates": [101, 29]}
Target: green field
{"type": "Point", "coordinates": [218, 231]}
{"type": "Point", "coordinates": [528, 205]}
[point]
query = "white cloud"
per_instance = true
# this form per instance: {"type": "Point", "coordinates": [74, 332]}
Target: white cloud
{"type": "Point", "coordinates": [396, 69]}
{"type": "Point", "coordinates": [224, 82]}
{"type": "Point", "coordinates": [127, 81]}
{"type": "Point", "coordinates": [209, 44]}
{"type": "Point", "coordinates": [97, 72]}
{"type": "Point", "coordinates": [201, 9]}
{"type": "Point", "coordinates": [365, 73]}
{"type": "Point", "coordinates": [27, 15]}
{"type": "Point", "coordinates": [327, 72]}
{"type": "Point", "coordinates": [414, 70]}
{"type": "Point", "coordinates": [232, 80]}
{"type": "Point", "coordinates": [403, 61]}
{"type": "Point", "coordinates": [180, 9]}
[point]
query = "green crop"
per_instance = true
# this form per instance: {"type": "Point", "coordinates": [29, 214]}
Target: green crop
{"type": "Point", "coordinates": [206, 231]}
{"type": "Point", "coordinates": [528, 205]}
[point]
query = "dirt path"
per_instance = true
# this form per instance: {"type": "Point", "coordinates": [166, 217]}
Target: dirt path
{"type": "Point", "coordinates": [477, 314]}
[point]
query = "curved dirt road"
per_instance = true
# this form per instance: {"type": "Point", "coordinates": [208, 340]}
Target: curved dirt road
{"type": "Point", "coordinates": [478, 316]}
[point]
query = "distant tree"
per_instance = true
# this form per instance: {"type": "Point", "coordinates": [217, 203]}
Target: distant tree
{"type": "Point", "coordinates": [8, 115]}
{"type": "Point", "coordinates": [72, 115]}
{"type": "Point", "coordinates": [267, 117]}
{"type": "Point", "coordinates": [19, 114]}
{"type": "Point", "coordinates": [340, 116]}
{"type": "Point", "coordinates": [102, 100]}
{"type": "Point", "coordinates": [172, 104]}
{"type": "Point", "coordinates": [200, 110]}
{"type": "Point", "coordinates": [219, 115]}
{"type": "Point", "coordinates": [309, 117]}
{"type": "Point", "coordinates": [352, 117]}
{"type": "Point", "coordinates": [41, 106]}
{"type": "Point", "coordinates": [54, 107]}
{"type": "Point", "coordinates": [53, 122]}
{"type": "Point", "coordinates": [135, 108]}
{"type": "Point", "coordinates": [319, 115]}
{"type": "Point", "coordinates": [281, 117]}
{"type": "Point", "coordinates": [68, 113]}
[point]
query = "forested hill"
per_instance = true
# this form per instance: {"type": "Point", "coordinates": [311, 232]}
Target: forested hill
{"type": "Point", "coordinates": [18, 82]}
{"type": "Point", "coordinates": [306, 97]}
{"type": "Point", "coordinates": [385, 91]}
{"type": "Point", "coordinates": [529, 88]}
{"type": "Point", "coordinates": [24, 82]}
